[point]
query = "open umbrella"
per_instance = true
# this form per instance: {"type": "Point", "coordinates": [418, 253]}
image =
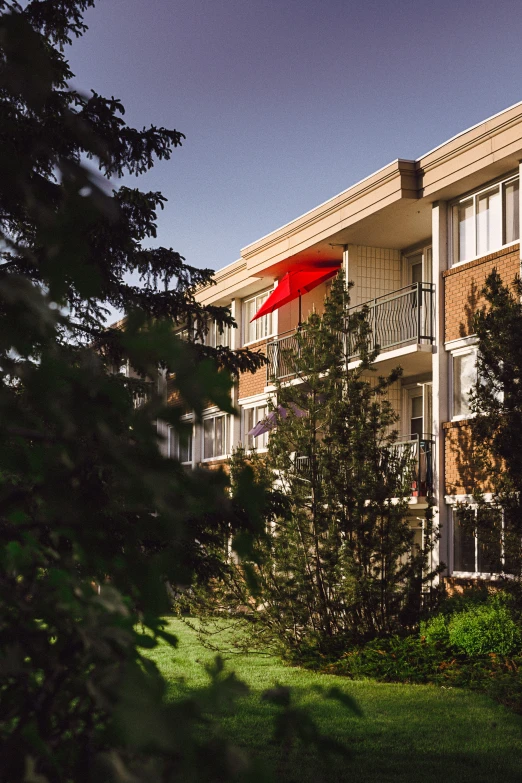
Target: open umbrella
{"type": "Point", "coordinates": [297, 282]}
{"type": "Point", "coordinates": [271, 420]}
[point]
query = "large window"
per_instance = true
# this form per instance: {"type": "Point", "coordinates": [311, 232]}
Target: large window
{"type": "Point", "coordinates": [180, 444]}
{"type": "Point", "coordinates": [252, 416]}
{"type": "Point", "coordinates": [486, 221]}
{"type": "Point", "coordinates": [215, 436]}
{"type": "Point", "coordinates": [261, 327]}
{"type": "Point", "coordinates": [464, 378]}
{"type": "Point", "coordinates": [485, 543]}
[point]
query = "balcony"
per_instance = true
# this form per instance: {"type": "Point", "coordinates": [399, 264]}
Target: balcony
{"type": "Point", "coordinates": [417, 450]}
{"type": "Point", "coordinates": [420, 450]}
{"type": "Point", "coordinates": [401, 318]}
{"type": "Point", "coordinates": [405, 316]}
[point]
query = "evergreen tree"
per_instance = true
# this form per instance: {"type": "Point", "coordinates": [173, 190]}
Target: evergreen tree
{"type": "Point", "coordinates": [85, 496]}
{"type": "Point", "coordinates": [496, 453]}
{"type": "Point", "coordinates": [339, 565]}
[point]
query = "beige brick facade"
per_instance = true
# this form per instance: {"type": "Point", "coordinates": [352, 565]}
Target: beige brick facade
{"type": "Point", "coordinates": [463, 285]}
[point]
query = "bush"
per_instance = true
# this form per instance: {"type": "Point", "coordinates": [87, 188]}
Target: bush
{"type": "Point", "coordinates": [435, 630]}
{"type": "Point", "coordinates": [480, 630]}
{"type": "Point", "coordinates": [476, 623]}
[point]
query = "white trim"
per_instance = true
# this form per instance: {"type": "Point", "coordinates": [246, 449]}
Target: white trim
{"type": "Point", "coordinates": [209, 417]}
{"type": "Point", "coordinates": [396, 353]}
{"type": "Point", "coordinates": [452, 500]}
{"type": "Point", "coordinates": [461, 342]}
{"type": "Point", "coordinates": [255, 398]}
{"type": "Point", "coordinates": [477, 125]}
{"type": "Point", "coordinates": [484, 255]}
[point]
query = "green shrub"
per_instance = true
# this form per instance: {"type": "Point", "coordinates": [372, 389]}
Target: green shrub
{"type": "Point", "coordinates": [483, 629]}
{"type": "Point", "coordinates": [435, 630]}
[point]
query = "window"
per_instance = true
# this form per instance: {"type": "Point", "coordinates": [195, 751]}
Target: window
{"type": "Point", "coordinates": [251, 417]}
{"type": "Point", "coordinates": [180, 444]}
{"type": "Point", "coordinates": [215, 436]}
{"type": "Point", "coordinates": [489, 547]}
{"type": "Point", "coordinates": [464, 375]}
{"type": "Point", "coordinates": [261, 327]}
{"type": "Point", "coordinates": [215, 337]}
{"type": "Point", "coordinates": [486, 221]}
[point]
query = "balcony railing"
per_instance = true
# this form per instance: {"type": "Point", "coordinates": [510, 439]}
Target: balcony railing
{"type": "Point", "coordinates": [400, 318]}
{"type": "Point", "coordinates": [415, 450]}
{"type": "Point", "coordinates": [419, 449]}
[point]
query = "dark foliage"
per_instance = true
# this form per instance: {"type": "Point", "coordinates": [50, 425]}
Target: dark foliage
{"type": "Point", "coordinates": [93, 520]}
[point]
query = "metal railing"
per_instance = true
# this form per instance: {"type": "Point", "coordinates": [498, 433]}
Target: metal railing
{"type": "Point", "coordinates": [399, 318]}
{"type": "Point", "coordinates": [414, 451]}
{"type": "Point", "coordinates": [420, 450]}
{"type": "Point", "coordinates": [282, 353]}
{"type": "Point", "coordinates": [403, 316]}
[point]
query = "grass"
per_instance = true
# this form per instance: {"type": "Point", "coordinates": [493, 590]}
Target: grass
{"type": "Point", "coordinates": [414, 733]}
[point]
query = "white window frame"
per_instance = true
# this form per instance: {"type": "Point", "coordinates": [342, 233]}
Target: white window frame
{"type": "Point", "coordinates": [262, 439]}
{"type": "Point", "coordinates": [174, 448]}
{"type": "Point", "coordinates": [214, 338]}
{"type": "Point", "coordinates": [475, 194]}
{"type": "Point", "coordinates": [265, 324]}
{"type": "Point", "coordinates": [213, 417]}
{"type": "Point", "coordinates": [475, 574]}
{"type": "Point", "coordinates": [466, 349]}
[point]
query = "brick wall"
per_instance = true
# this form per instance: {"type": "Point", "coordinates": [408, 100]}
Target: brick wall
{"type": "Point", "coordinates": [253, 383]}
{"type": "Point", "coordinates": [464, 283]}
{"type": "Point", "coordinates": [461, 475]}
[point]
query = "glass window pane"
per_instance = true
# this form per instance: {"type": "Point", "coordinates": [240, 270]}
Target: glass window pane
{"type": "Point", "coordinates": [512, 542]}
{"type": "Point", "coordinates": [185, 449]}
{"type": "Point", "coordinates": [172, 442]}
{"type": "Point", "coordinates": [488, 222]}
{"type": "Point", "coordinates": [208, 438]}
{"type": "Point", "coordinates": [464, 547]}
{"type": "Point", "coordinates": [489, 523]}
{"type": "Point", "coordinates": [428, 264]}
{"type": "Point", "coordinates": [466, 229]}
{"type": "Point", "coordinates": [464, 378]}
{"type": "Point", "coordinates": [511, 213]}
{"type": "Point", "coordinates": [416, 406]}
{"type": "Point", "coordinates": [248, 419]}
{"type": "Point", "coordinates": [250, 328]}
{"type": "Point", "coordinates": [428, 391]}
{"type": "Point", "coordinates": [261, 414]}
{"type": "Point", "coordinates": [219, 445]}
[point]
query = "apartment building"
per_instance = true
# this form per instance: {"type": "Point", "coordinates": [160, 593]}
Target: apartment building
{"type": "Point", "coordinates": [417, 239]}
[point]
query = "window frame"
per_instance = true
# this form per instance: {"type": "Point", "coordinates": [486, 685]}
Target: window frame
{"type": "Point", "coordinates": [263, 320]}
{"type": "Point", "coordinates": [226, 435]}
{"type": "Point", "coordinates": [174, 435]}
{"type": "Point", "coordinates": [214, 338]}
{"type": "Point", "coordinates": [244, 436]}
{"type": "Point", "coordinates": [493, 575]}
{"type": "Point", "coordinates": [474, 195]}
{"type": "Point", "coordinates": [462, 351]}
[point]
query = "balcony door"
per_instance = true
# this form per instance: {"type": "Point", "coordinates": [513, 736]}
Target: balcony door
{"type": "Point", "coordinates": [418, 411]}
{"type": "Point", "coordinates": [418, 267]}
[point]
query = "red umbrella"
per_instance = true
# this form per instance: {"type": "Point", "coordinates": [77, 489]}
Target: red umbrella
{"type": "Point", "coordinates": [297, 282]}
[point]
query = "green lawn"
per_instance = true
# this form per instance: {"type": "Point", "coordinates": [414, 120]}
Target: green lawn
{"type": "Point", "coordinates": [414, 733]}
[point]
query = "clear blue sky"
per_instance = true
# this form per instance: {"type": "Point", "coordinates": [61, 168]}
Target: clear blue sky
{"type": "Point", "coordinates": [286, 103]}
